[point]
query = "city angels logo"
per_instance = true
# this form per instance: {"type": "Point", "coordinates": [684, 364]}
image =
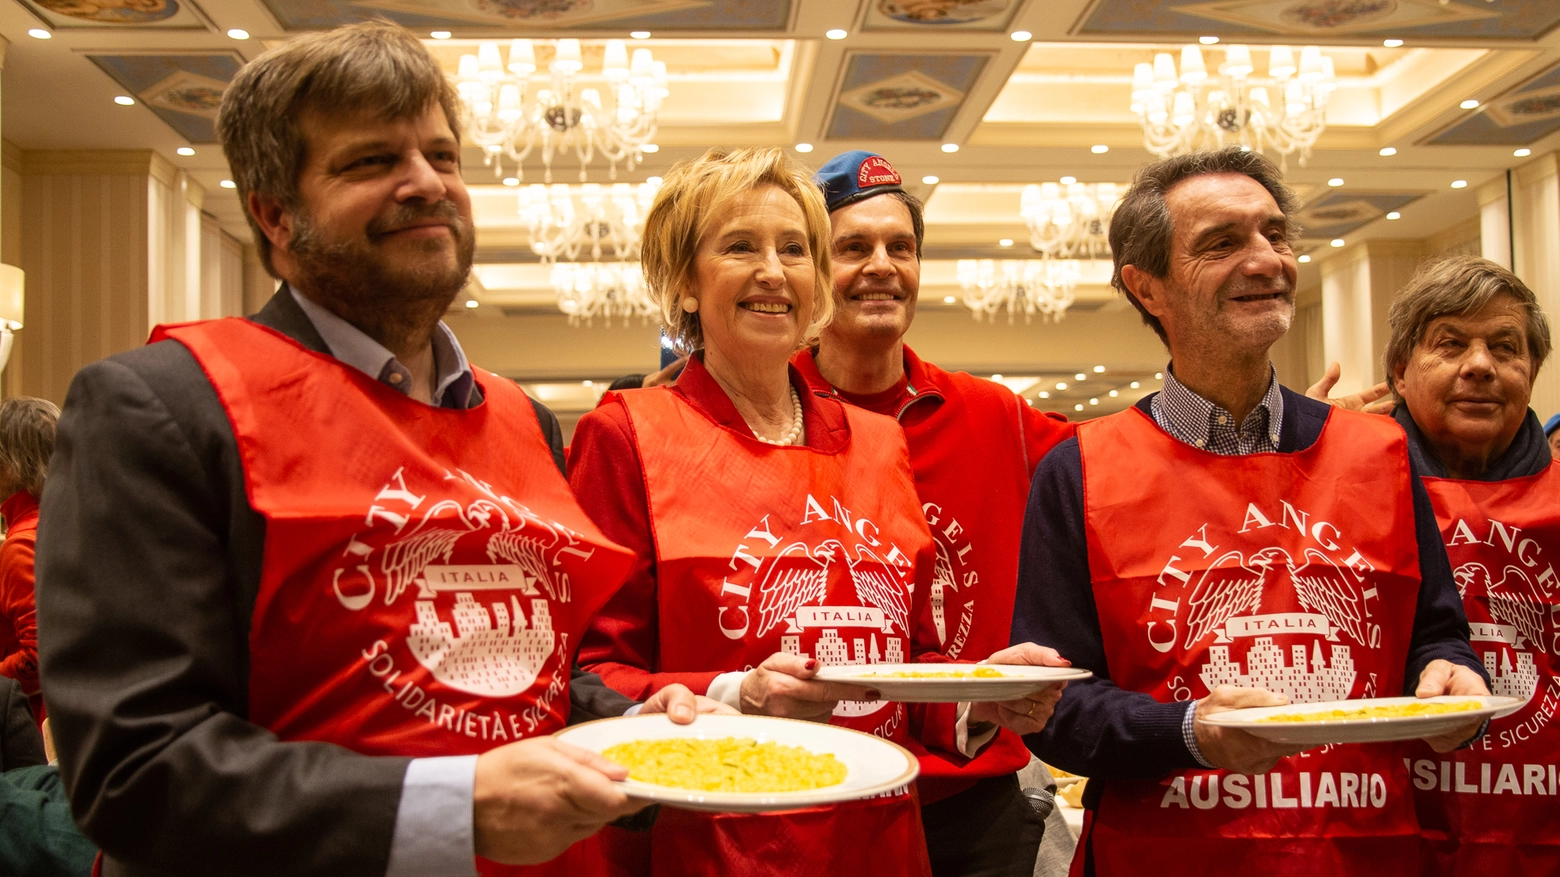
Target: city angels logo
{"type": "Point", "coordinates": [785, 573]}
{"type": "Point", "coordinates": [1241, 596]}
{"type": "Point", "coordinates": [482, 628]}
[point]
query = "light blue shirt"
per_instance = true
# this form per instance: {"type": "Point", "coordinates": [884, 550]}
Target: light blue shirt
{"type": "Point", "coordinates": [434, 835]}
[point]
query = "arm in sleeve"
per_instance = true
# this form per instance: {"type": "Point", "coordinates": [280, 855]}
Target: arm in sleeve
{"type": "Point", "coordinates": [1042, 431]}
{"type": "Point", "coordinates": [1440, 622]}
{"type": "Point", "coordinates": [19, 608]}
{"type": "Point", "coordinates": [1098, 730]}
{"type": "Point", "coordinates": [146, 653]}
{"type": "Point", "coordinates": [608, 480]}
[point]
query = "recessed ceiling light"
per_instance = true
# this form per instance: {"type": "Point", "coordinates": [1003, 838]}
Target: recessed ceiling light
{"type": "Point", "coordinates": [1099, 149]}
{"type": "Point", "coordinates": [1459, 184]}
{"type": "Point", "coordinates": [1115, 393]}
{"type": "Point", "coordinates": [228, 184]}
{"type": "Point", "coordinates": [1335, 182]}
{"type": "Point", "coordinates": [1061, 385]}
{"type": "Point", "coordinates": [1094, 401]}
{"type": "Point", "coordinates": [1005, 242]}
{"type": "Point", "coordinates": [653, 181]}
{"type": "Point", "coordinates": [1134, 385]}
{"type": "Point", "coordinates": [471, 304]}
{"type": "Point", "coordinates": [649, 147]}
{"type": "Point", "coordinates": [1021, 36]}
{"type": "Point", "coordinates": [1394, 215]}
{"type": "Point", "coordinates": [1078, 407]}
{"type": "Point", "coordinates": [1080, 376]}
{"type": "Point", "coordinates": [1068, 181]}
{"type": "Point", "coordinates": [950, 147]}
{"type": "Point", "coordinates": [39, 33]}
{"type": "Point", "coordinates": [931, 180]}
{"type": "Point", "coordinates": [1304, 258]}
{"type": "Point", "coordinates": [239, 33]}
{"type": "Point", "coordinates": [996, 377]}
{"type": "Point", "coordinates": [1469, 104]}
{"type": "Point", "coordinates": [804, 147]}
{"type": "Point", "coordinates": [511, 181]}
{"type": "Point", "coordinates": [124, 100]}
{"type": "Point", "coordinates": [948, 300]}
{"type": "Point", "coordinates": [1392, 44]}
{"type": "Point", "coordinates": [1389, 150]}
{"type": "Point", "coordinates": [639, 34]}
{"type": "Point", "coordinates": [1044, 394]}
{"type": "Point", "coordinates": [587, 383]}
{"type": "Point", "coordinates": [441, 34]}
{"type": "Point", "coordinates": [1336, 242]}
{"type": "Point", "coordinates": [185, 150]}
{"type": "Point", "coordinates": [836, 34]}
{"type": "Point", "coordinates": [1159, 376]}
{"type": "Point", "coordinates": [1524, 152]}
{"type": "Point", "coordinates": [1099, 369]}
{"type": "Point", "coordinates": [1208, 41]}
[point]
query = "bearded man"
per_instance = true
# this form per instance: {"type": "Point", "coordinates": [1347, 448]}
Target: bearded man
{"type": "Point", "coordinates": [311, 582]}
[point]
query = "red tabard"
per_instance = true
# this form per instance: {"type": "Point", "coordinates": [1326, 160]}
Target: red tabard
{"type": "Point", "coordinates": [427, 573]}
{"type": "Point", "coordinates": [1491, 809]}
{"type": "Point", "coordinates": [1297, 573]}
{"type": "Point", "coordinates": [796, 551]}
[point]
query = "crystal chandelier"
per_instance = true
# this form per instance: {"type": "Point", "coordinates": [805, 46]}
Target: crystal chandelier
{"type": "Point", "coordinates": [606, 290]}
{"type": "Point", "coordinates": [511, 112]}
{"type": "Point", "coordinates": [1028, 286]}
{"type": "Point", "coordinates": [1189, 110]}
{"type": "Point", "coordinates": [1069, 220]}
{"type": "Point", "coordinates": [568, 223]}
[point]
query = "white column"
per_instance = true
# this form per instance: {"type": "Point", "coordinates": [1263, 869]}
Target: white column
{"type": "Point", "coordinates": [1535, 233]}
{"type": "Point", "coordinates": [1357, 290]}
{"type": "Point", "coordinates": [1495, 223]}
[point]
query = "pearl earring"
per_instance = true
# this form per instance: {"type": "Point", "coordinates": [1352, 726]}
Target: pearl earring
{"type": "Point", "coordinates": [690, 304]}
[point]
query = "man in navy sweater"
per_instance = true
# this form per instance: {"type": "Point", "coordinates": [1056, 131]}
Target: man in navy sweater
{"type": "Point", "coordinates": [1227, 543]}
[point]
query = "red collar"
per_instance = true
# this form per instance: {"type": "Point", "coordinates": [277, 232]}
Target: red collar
{"type": "Point", "coordinates": [19, 509]}
{"type": "Point", "coordinates": [827, 431]}
{"type": "Point", "coordinates": [919, 383]}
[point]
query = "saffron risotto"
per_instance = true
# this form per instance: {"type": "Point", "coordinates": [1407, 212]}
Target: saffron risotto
{"type": "Point", "coordinates": [1395, 711]}
{"type": "Point", "coordinates": [977, 673]}
{"type": "Point", "coordinates": [727, 764]}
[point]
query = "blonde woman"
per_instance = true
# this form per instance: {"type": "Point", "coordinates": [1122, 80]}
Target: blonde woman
{"type": "Point", "coordinates": [736, 485]}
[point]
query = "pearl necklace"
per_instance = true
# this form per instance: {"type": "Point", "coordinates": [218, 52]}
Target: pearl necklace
{"type": "Point", "coordinates": [792, 436]}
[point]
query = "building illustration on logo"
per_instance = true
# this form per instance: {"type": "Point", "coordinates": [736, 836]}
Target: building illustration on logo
{"type": "Point", "coordinates": [497, 654]}
{"type": "Point", "coordinates": [1304, 681]}
{"type": "Point", "coordinates": [832, 650]}
{"type": "Point", "coordinates": [1520, 681]}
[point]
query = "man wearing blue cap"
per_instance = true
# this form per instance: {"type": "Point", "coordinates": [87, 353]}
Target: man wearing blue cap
{"type": "Point", "coordinates": [1552, 434]}
{"type": "Point", "coordinates": [977, 822]}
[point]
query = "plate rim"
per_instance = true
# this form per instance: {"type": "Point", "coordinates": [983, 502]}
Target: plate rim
{"type": "Point", "coordinates": [755, 802]}
{"type": "Point", "coordinates": [1062, 674]}
{"type": "Point", "coordinates": [1228, 719]}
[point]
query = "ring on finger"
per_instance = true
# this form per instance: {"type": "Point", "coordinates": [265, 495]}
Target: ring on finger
{"type": "Point", "coordinates": [1031, 711]}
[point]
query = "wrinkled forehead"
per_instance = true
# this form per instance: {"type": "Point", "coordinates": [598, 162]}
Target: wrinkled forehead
{"type": "Point", "coordinates": [1221, 199]}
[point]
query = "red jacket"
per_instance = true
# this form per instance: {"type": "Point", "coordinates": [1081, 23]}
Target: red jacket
{"type": "Point", "coordinates": [973, 447]}
{"type": "Point", "coordinates": [18, 625]}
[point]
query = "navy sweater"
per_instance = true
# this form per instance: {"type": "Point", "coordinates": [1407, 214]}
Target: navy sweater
{"type": "Point", "coordinates": [1103, 732]}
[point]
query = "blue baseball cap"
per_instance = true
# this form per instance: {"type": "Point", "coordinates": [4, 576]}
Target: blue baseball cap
{"type": "Point", "coordinates": [1551, 424]}
{"type": "Point", "coordinates": [852, 176]}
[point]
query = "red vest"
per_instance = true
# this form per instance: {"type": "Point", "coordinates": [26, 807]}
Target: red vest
{"type": "Point", "coordinates": [1298, 573]}
{"type": "Point", "coordinates": [427, 572]}
{"type": "Point", "coordinates": [1491, 808]}
{"type": "Point", "coordinates": [762, 549]}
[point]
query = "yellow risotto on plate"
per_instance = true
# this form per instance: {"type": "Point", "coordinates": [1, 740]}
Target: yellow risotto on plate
{"type": "Point", "coordinates": [727, 764]}
{"type": "Point", "coordinates": [977, 673]}
{"type": "Point", "coordinates": [1395, 711]}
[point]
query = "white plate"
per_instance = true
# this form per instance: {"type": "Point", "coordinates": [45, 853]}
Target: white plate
{"type": "Point", "coordinates": [1360, 730]}
{"type": "Point", "coordinates": [873, 765]}
{"type": "Point", "coordinates": [1017, 680]}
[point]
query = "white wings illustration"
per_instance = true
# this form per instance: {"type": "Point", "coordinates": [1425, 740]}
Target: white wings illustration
{"type": "Point", "coordinates": [942, 581]}
{"type": "Point", "coordinates": [1227, 588]}
{"type": "Point", "coordinates": [1322, 586]}
{"type": "Point", "coordinates": [795, 578]}
{"type": "Point", "coordinates": [1516, 601]}
{"type": "Point", "coordinates": [528, 552]}
{"type": "Point", "coordinates": [405, 559]}
{"type": "Point", "coordinates": [876, 585]}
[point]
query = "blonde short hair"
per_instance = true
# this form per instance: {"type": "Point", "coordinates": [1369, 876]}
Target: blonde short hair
{"type": "Point", "coordinates": [690, 195]}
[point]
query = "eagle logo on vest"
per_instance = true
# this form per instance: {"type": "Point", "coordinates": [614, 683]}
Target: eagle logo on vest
{"type": "Point", "coordinates": [1286, 619]}
{"type": "Point", "coordinates": [1519, 621]}
{"type": "Point", "coordinates": [484, 628]}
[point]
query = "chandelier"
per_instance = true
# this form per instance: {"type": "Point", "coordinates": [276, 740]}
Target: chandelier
{"type": "Point", "coordinates": [512, 111]}
{"type": "Point", "coordinates": [1190, 110]}
{"type": "Point", "coordinates": [1070, 220]}
{"type": "Point", "coordinates": [588, 291]}
{"type": "Point", "coordinates": [590, 220]}
{"type": "Point", "coordinates": [1027, 286]}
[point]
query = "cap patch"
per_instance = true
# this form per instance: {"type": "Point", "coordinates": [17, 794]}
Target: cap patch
{"type": "Point", "coordinates": [876, 171]}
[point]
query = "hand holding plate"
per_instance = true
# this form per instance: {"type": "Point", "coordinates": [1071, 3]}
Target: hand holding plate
{"type": "Point", "coordinates": [1232, 748]}
{"type": "Point", "coordinates": [534, 798]}
{"type": "Point", "coordinates": [680, 704]}
{"type": "Point", "coordinates": [784, 686]}
{"type": "Point", "coordinates": [1444, 677]}
{"type": "Point", "coordinates": [1028, 714]}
